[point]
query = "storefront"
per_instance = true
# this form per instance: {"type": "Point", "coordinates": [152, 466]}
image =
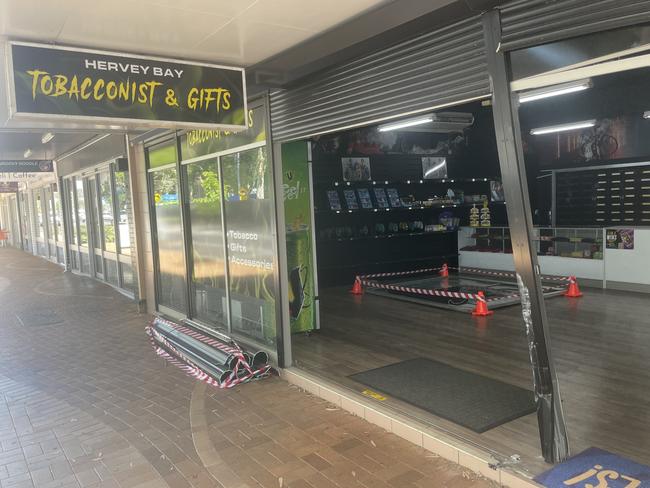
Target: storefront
{"type": "Point", "coordinates": [100, 223]}
{"type": "Point", "coordinates": [425, 154]}
{"type": "Point", "coordinates": [211, 201]}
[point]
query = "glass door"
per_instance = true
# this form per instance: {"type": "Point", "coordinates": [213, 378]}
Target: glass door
{"type": "Point", "coordinates": [95, 228]}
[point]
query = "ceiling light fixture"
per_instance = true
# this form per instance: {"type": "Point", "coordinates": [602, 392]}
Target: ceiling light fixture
{"type": "Point", "coordinates": [435, 168]}
{"type": "Point", "coordinates": [555, 90]}
{"type": "Point", "coordinates": [405, 123]}
{"type": "Point", "coordinates": [646, 114]}
{"type": "Point", "coordinates": [563, 127]}
{"type": "Point", "coordinates": [47, 137]}
{"type": "Point", "coordinates": [27, 153]}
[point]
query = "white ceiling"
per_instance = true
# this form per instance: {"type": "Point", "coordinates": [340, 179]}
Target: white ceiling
{"type": "Point", "coordinates": [242, 32]}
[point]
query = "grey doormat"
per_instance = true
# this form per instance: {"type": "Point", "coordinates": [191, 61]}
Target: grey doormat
{"type": "Point", "coordinates": [35, 318]}
{"type": "Point", "coordinates": [465, 398]}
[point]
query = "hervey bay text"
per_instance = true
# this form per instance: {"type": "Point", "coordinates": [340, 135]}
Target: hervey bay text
{"type": "Point", "coordinates": [134, 92]}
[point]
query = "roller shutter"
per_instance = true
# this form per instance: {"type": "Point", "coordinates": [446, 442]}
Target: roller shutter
{"type": "Point", "coordinates": [526, 23]}
{"type": "Point", "coordinates": [441, 67]}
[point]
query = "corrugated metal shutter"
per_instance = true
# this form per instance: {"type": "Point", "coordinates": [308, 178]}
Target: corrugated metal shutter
{"type": "Point", "coordinates": [440, 67]}
{"type": "Point", "coordinates": [526, 23]}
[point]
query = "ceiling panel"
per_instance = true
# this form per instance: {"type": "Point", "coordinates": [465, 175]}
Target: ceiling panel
{"type": "Point", "coordinates": [14, 144]}
{"type": "Point", "coordinates": [243, 40]}
{"type": "Point", "coordinates": [242, 31]}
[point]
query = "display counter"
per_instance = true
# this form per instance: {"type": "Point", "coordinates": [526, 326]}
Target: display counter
{"type": "Point", "coordinates": [581, 252]}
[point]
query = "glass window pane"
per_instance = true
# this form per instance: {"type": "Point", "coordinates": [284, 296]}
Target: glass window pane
{"type": "Point", "coordinates": [107, 211]}
{"type": "Point", "coordinates": [58, 216]}
{"type": "Point", "coordinates": [127, 277]}
{"type": "Point", "coordinates": [69, 189]}
{"type": "Point", "coordinates": [123, 210]}
{"type": "Point", "coordinates": [208, 275]}
{"type": "Point", "coordinates": [39, 213]}
{"type": "Point", "coordinates": [162, 155]}
{"type": "Point", "coordinates": [250, 243]}
{"type": "Point", "coordinates": [111, 271]}
{"type": "Point", "coordinates": [171, 262]}
{"type": "Point", "coordinates": [81, 212]}
{"type": "Point", "coordinates": [48, 207]}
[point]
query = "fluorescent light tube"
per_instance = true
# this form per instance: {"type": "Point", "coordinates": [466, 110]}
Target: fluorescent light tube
{"type": "Point", "coordinates": [405, 123]}
{"type": "Point", "coordinates": [47, 137]}
{"type": "Point", "coordinates": [554, 91]}
{"type": "Point", "coordinates": [435, 168]}
{"type": "Point", "coordinates": [563, 127]}
{"type": "Point", "coordinates": [27, 153]}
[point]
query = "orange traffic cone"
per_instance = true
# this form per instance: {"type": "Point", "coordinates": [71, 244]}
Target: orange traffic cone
{"type": "Point", "coordinates": [356, 287]}
{"type": "Point", "coordinates": [481, 309]}
{"type": "Point", "coordinates": [444, 271]}
{"type": "Point", "coordinates": [573, 291]}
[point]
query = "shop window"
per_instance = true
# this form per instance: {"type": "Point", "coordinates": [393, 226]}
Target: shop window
{"type": "Point", "coordinates": [38, 202]}
{"type": "Point", "coordinates": [249, 214]}
{"type": "Point", "coordinates": [128, 282]}
{"type": "Point", "coordinates": [169, 238]}
{"type": "Point", "coordinates": [123, 200]}
{"type": "Point", "coordinates": [107, 215]}
{"type": "Point", "coordinates": [72, 210]}
{"type": "Point", "coordinates": [81, 212]}
{"type": "Point", "coordinates": [208, 273]}
{"type": "Point", "coordinates": [58, 215]}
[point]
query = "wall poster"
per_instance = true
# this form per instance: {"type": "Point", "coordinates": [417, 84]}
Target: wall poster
{"type": "Point", "coordinates": [300, 255]}
{"type": "Point", "coordinates": [619, 239]}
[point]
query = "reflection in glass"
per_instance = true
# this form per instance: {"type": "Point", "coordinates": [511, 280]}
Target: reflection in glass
{"type": "Point", "coordinates": [108, 219]}
{"type": "Point", "coordinates": [123, 206]}
{"type": "Point", "coordinates": [250, 243]}
{"type": "Point", "coordinates": [208, 274]}
{"type": "Point", "coordinates": [81, 212]}
{"type": "Point", "coordinates": [39, 213]}
{"type": "Point", "coordinates": [171, 261]}
{"type": "Point", "coordinates": [69, 189]}
{"type": "Point", "coordinates": [58, 216]}
{"type": "Point", "coordinates": [48, 208]}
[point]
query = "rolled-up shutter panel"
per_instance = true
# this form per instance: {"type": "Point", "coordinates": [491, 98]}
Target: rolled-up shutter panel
{"type": "Point", "coordinates": [437, 68]}
{"type": "Point", "coordinates": [526, 23]}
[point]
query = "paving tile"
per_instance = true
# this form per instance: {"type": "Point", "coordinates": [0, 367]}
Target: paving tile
{"type": "Point", "coordinates": [88, 404]}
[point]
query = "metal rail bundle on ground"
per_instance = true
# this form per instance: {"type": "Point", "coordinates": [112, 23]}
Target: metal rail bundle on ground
{"type": "Point", "coordinates": [220, 363]}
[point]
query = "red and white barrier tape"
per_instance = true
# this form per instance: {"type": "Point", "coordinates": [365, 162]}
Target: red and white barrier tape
{"type": "Point", "coordinates": [400, 273]}
{"type": "Point", "coordinates": [424, 291]}
{"type": "Point", "coordinates": [186, 364]}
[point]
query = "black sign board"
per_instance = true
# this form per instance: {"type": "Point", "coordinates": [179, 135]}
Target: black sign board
{"type": "Point", "coordinates": [8, 187]}
{"type": "Point", "coordinates": [81, 84]}
{"type": "Point", "coordinates": [26, 166]}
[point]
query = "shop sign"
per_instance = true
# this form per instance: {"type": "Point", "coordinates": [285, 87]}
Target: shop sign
{"type": "Point", "coordinates": [200, 142]}
{"type": "Point", "coordinates": [26, 166]}
{"type": "Point", "coordinates": [8, 187]}
{"type": "Point", "coordinates": [81, 84]}
{"type": "Point", "coordinates": [619, 239]}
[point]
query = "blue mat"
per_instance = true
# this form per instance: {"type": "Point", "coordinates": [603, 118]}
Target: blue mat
{"type": "Point", "coordinates": [595, 468]}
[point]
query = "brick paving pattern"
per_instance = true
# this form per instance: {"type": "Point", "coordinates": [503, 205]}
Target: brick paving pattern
{"type": "Point", "coordinates": [84, 402]}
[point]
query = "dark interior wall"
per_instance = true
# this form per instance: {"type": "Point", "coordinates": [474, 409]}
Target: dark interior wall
{"type": "Point", "coordinates": [396, 157]}
{"type": "Point", "coordinates": [621, 135]}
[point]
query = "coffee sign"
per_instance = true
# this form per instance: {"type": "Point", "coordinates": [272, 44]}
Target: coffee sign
{"type": "Point", "coordinates": [81, 84]}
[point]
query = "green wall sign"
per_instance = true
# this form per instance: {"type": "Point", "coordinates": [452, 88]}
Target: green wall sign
{"type": "Point", "coordinates": [300, 254]}
{"type": "Point", "coordinates": [87, 84]}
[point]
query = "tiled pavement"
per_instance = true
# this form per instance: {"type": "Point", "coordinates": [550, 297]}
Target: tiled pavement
{"type": "Point", "coordinates": [84, 402]}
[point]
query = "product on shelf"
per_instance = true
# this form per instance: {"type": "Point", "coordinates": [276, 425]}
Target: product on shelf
{"type": "Point", "coordinates": [333, 199]}
{"type": "Point", "coordinates": [393, 197]}
{"type": "Point", "coordinates": [351, 199]}
{"type": "Point", "coordinates": [474, 216]}
{"type": "Point", "coordinates": [380, 196]}
{"type": "Point", "coordinates": [364, 198]}
{"type": "Point", "coordinates": [485, 215]}
{"type": "Point", "coordinates": [380, 229]}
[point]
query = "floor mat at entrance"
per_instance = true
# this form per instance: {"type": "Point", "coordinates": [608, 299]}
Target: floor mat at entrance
{"type": "Point", "coordinates": [471, 400]}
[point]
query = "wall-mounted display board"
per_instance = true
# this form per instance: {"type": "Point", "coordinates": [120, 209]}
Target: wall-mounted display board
{"type": "Point", "coordinates": [611, 195]}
